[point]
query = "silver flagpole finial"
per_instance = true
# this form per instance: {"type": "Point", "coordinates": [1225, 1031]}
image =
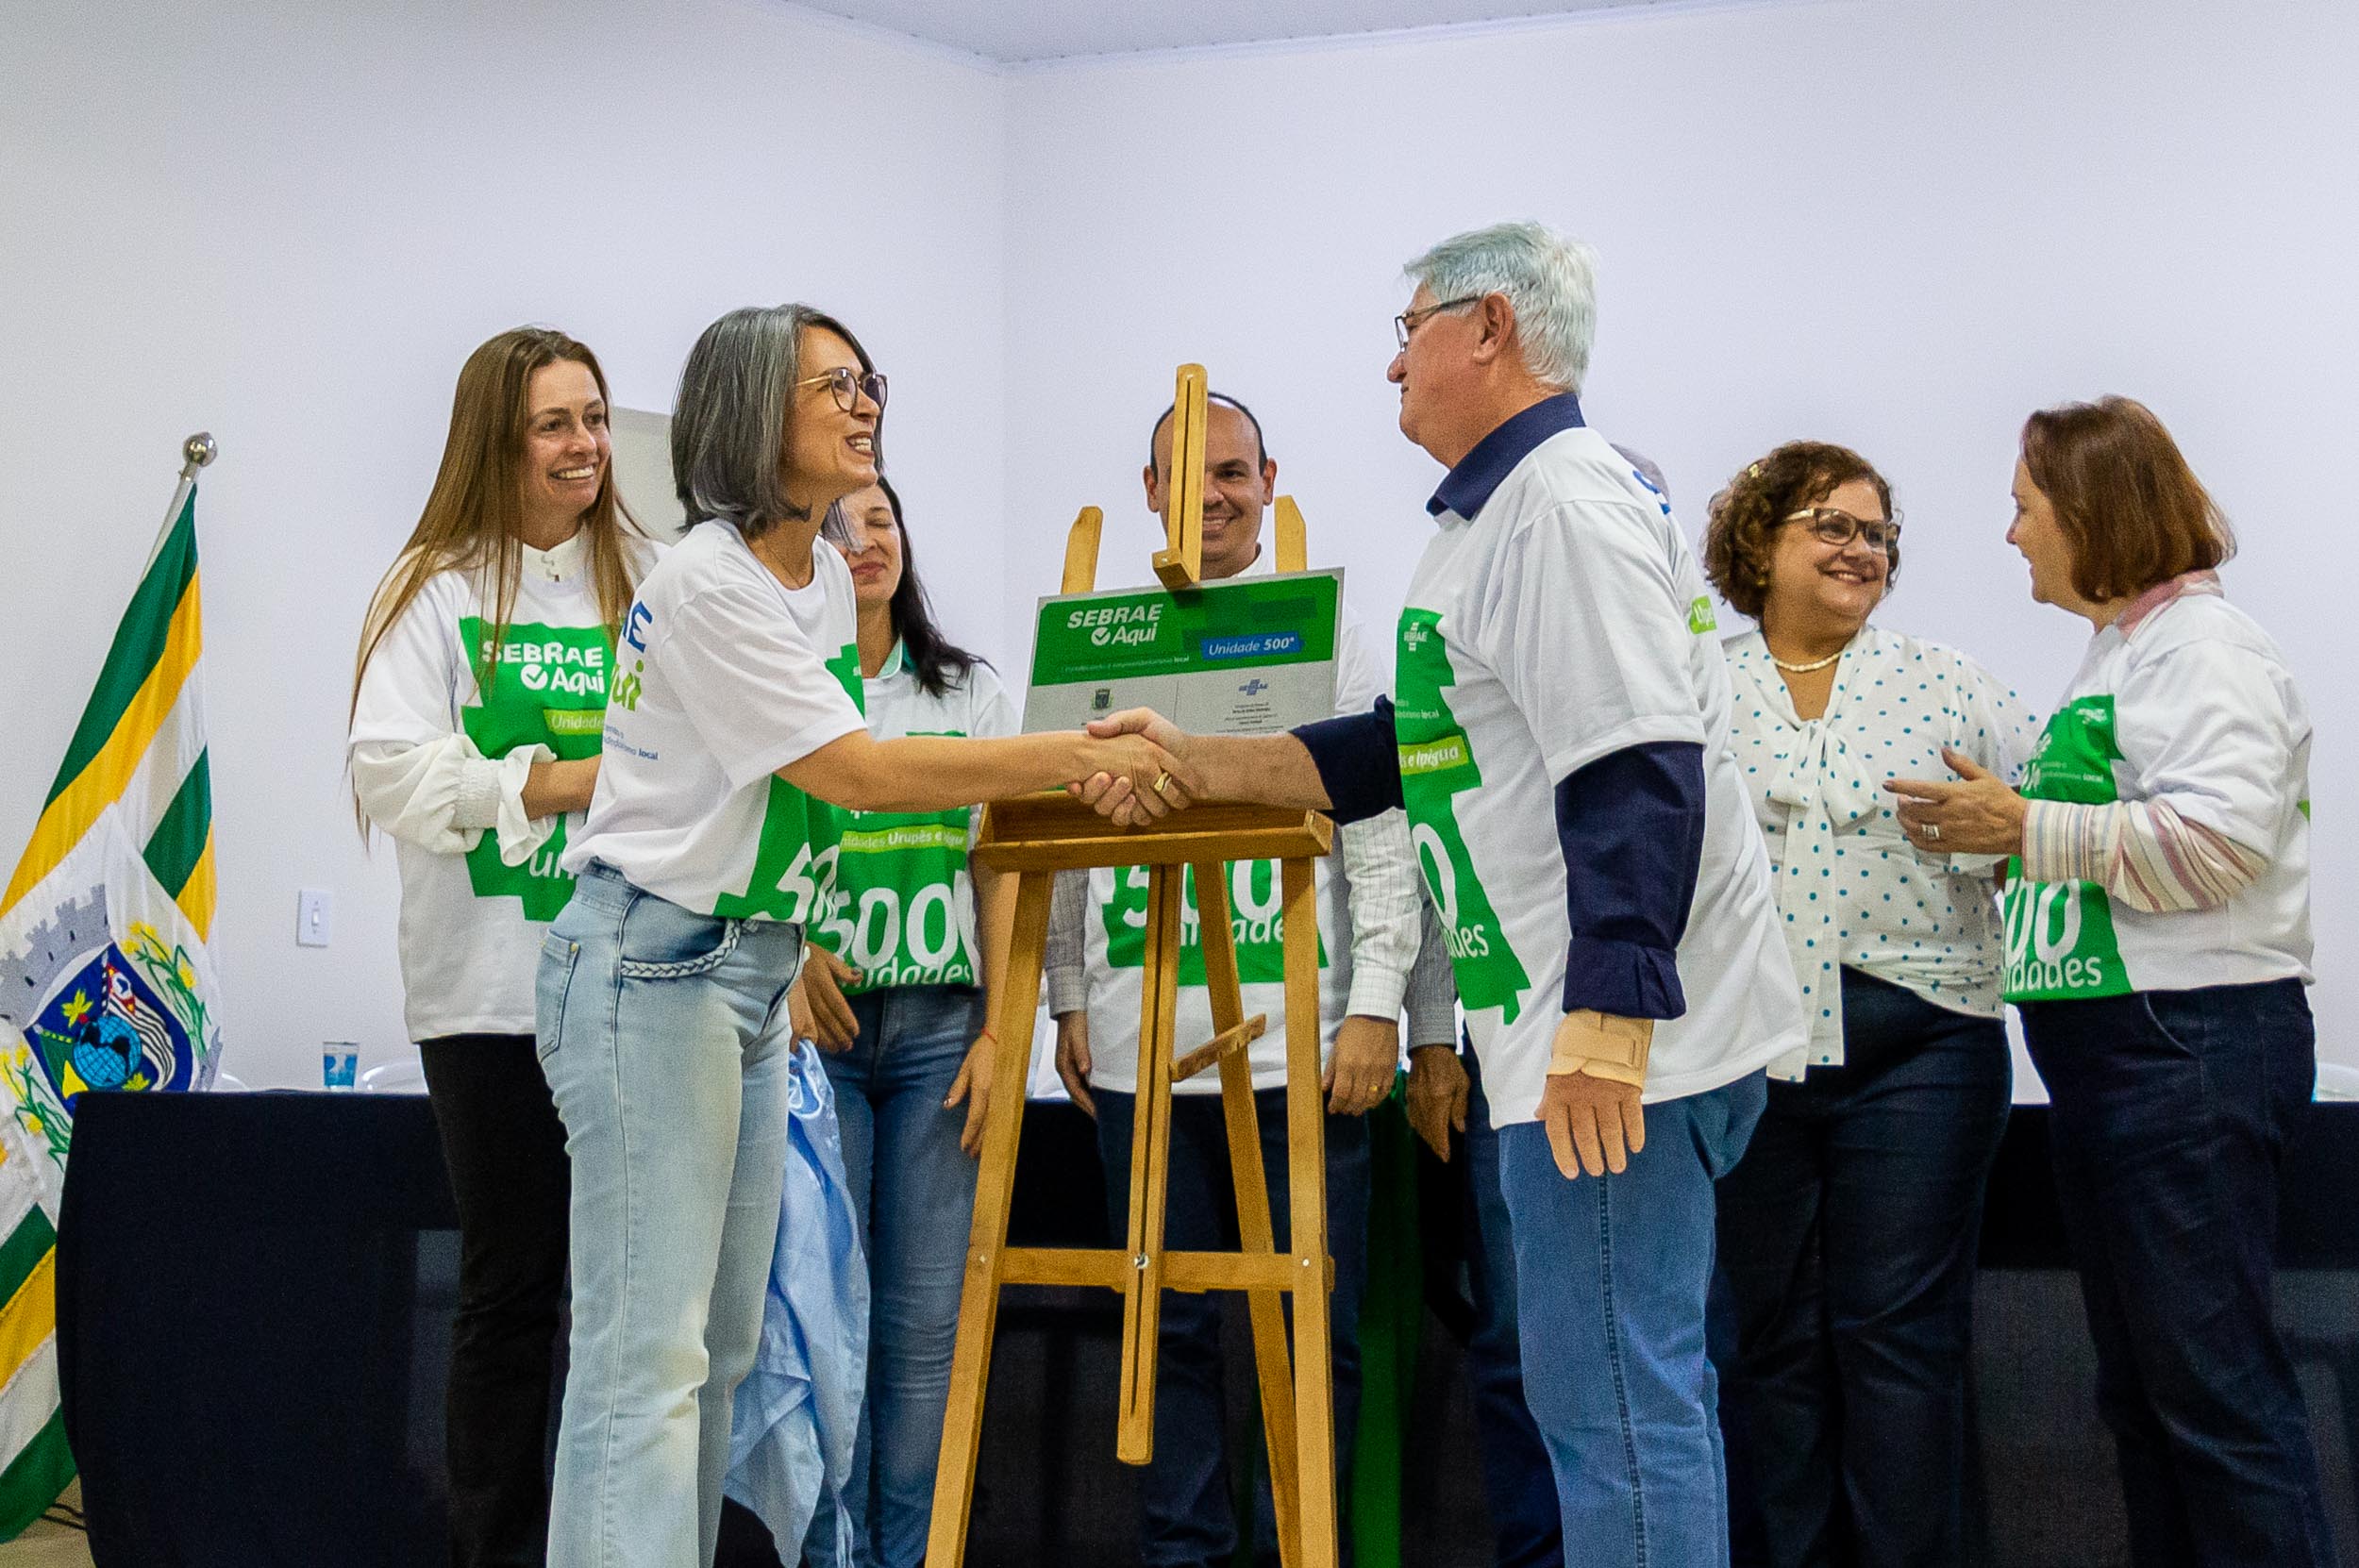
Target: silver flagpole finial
{"type": "Point", "coordinates": [198, 450]}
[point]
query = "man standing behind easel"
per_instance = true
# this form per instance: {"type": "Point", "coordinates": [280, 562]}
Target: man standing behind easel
{"type": "Point", "coordinates": [1368, 936]}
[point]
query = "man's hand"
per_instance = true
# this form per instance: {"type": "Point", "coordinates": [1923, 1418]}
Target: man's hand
{"type": "Point", "coordinates": [1118, 797]}
{"type": "Point", "coordinates": [1361, 1072]}
{"type": "Point", "coordinates": [816, 1005]}
{"type": "Point", "coordinates": [1073, 1058]}
{"type": "Point", "coordinates": [1593, 1122]}
{"type": "Point", "coordinates": [1976, 815]}
{"type": "Point", "coordinates": [973, 1085]}
{"type": "Point", "coordinates": [1436, 1095]}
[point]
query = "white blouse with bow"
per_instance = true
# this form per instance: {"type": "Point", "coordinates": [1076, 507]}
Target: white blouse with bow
{"type": "Point", "coordinates": [1852, 891]}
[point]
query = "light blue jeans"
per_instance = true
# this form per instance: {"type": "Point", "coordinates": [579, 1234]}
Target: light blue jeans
{"type": "Point", "coordinates": [665, 1037]}
{"type": "Point", "coordinates": [915, 1189]}
{"type": "Point", "coordinates": [1610, 1275]}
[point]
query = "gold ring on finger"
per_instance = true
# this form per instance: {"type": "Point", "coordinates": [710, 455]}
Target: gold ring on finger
{"type": "Point", "coordinates": [1162, 780]}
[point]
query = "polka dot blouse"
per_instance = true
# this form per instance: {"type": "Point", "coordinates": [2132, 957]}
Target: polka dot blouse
{"type": "Point", "coordinates": [1851, 890]}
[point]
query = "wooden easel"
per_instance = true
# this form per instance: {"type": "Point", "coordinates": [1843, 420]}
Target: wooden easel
{"type": "Point", "coordinates": [1036, 837]}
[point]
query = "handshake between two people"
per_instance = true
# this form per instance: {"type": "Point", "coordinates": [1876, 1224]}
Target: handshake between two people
{"type": "Point", "coordinates": [1144, 771]}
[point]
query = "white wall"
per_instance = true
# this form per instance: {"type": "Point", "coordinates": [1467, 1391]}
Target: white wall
{"type": "Point", "coordinates": [289, 222]}
{"type": "Point", "coordinates": [1897, 223]}
{"type": "Point", "coordinates": [1901, 224]}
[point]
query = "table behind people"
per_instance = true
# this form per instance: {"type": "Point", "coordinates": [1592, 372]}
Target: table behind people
{"type": "Point", "coordinates": [1368, 933]}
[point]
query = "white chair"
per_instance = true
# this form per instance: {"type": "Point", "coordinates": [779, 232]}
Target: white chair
{"type": "Point", "coordinates": [2336, 1082]}
{"type": "Point", "coordinates": [407, 1077]}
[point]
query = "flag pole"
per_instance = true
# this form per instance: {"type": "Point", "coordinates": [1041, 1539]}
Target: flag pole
{"type": "Point", "coordinates": [195, 451]}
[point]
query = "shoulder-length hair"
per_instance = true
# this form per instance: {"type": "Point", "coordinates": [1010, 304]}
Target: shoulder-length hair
{"type": "Point", "coordinates": [474, 515]}
{"type": "Point", "coordinates": [2133, 510]}
{"type": "Point", "coordinates": [939, 663]}
{"type": "Point", "coordinates": [1740, 539]}
{"type": "Point", "coordinates": [729, 423]}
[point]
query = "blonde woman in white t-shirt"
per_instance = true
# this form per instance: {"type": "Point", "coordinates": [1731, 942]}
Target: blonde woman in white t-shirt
{"type": "Point", "coordinates": [1848, 1231]}
{"type": "Point", "coordinates": [475, 713]}
{"type": "Point", "coordinates": [2158, 952]}
{"type": "Point", "coordinates": [734, 736]}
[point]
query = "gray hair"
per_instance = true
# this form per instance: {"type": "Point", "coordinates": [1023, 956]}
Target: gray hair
{"type": "Point", "coordinates": [1550, 279]}
{"type": "Point", "coordinates": [728, 425]}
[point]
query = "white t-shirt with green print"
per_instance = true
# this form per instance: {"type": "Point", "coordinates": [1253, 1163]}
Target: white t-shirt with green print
{"type": "Point", "coordinates": [904, 910]}
{"type": "Point", "coordinates": [438, 757]}
{"type": "Point", "coordinates": [724, 675]}
{"type": "Point", "coordinates": [2196, 707]}
{"type": "Point", "coordinates": [1564, 622]}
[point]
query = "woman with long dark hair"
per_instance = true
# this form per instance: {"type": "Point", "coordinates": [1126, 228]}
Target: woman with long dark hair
{"type": "Point", "coordinates": [477, 700]}
{"type": "Point", "coordinates": [925, 939]}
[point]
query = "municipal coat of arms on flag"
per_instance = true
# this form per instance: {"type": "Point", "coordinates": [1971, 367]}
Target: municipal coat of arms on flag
{"type": "Point", "coordinates": [105, 980]}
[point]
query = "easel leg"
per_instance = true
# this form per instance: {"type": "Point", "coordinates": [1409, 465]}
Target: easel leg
{"type": "Point", "coordinates": [994, 1190]}
{"type": "Point", "coordinates": [1150, 1161]}
{"type": "Point", "coordinates": [1254, 1231]}
{"type": "Point", "coordinates": [1306, 1154]}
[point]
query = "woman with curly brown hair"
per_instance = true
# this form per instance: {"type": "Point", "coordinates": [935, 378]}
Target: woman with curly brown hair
{"type": "Point", "coordinates": [1847, 1233]}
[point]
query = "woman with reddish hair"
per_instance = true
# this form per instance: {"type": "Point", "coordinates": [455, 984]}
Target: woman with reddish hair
{"type": "Point", "coordinates": [2158, 945]}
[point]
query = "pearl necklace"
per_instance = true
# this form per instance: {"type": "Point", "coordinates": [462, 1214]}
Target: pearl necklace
{"type": "Point", "coordinates": [1815, 664]}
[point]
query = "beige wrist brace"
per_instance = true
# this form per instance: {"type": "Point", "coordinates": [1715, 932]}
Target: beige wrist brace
{"type": "Point", "coordinates": [1604, 1046]}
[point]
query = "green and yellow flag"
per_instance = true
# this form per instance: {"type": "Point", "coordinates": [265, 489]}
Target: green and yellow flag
{"type": "Point", "coordinates": [105, 980]}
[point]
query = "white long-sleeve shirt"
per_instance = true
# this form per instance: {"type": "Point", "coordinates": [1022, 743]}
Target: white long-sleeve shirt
{"type": "Point", "coordinates": [440, 768]}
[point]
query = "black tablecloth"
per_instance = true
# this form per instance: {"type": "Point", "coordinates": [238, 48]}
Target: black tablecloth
{"type": "Point", "coordinates": [253, 1297]}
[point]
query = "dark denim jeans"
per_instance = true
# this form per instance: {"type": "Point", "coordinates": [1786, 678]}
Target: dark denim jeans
{"type": "Point", "coordinates": [505, 1150]}
{"type": "Point", "coordinates": [1611, 1278]}
{"type": "Point", "coordinates": [1847, 1238]}
{"type": "Point", "coordinates": [1517, 1486]}
{"type": "Point", "coordinates": [915, 1189]}
{"type": "Point", "coordinates": [1189, 1521]}
{"type": "Point", "coordinates": [2170, 1113]}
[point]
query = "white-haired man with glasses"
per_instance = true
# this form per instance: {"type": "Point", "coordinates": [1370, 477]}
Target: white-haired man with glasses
{"type": "Point", "coordinates": [1560, 736]}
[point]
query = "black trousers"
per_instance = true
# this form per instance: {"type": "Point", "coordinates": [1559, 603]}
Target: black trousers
{"type": "Point", "coordinates": [1847, 1238]}
{"type": "Point", "coordinates": [505, 1149]}
{"type": "Point", "coordinates": [2170, 1113]}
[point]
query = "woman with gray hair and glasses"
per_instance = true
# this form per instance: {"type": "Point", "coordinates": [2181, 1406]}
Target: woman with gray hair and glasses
{"type": "Point", "coordinates": [733, 735]}
{"type": "Point", "coordinates": [1847, 1231]}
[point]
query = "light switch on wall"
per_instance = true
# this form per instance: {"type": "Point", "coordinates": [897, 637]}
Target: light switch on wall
{"type": "Point", "coordinates": [315, 912]}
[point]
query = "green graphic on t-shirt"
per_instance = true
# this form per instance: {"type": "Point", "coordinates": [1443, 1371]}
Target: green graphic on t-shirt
{"type": "Point", "coordinates": [904, 914]}
{"type": "Point", "coordinates": [540, 685]}
{"type": "Point", "coordinates": [793, 875]}
{"type": "Point", "coordinates": [1435, 764]}
{"type": "Point", "coordinates": [2060, 935]}
{"type": "Point", "coordinates": [1257, 921]}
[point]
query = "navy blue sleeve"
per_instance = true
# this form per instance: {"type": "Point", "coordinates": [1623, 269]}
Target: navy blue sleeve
{"type": "Point", "coordinates": [1358, 759]}
{"type": "Point", "coordinates": [1631, 828]}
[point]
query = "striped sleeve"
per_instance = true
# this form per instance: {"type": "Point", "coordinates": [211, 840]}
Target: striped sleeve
{"type": "Point", "coordinates": [2142, 851]}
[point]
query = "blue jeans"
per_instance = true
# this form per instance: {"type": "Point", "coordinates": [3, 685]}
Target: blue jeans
{"type": "Point", "coordinates": [1612, 1274]}
{"type": "Point", "coordinates": [1189, 1520]}
{"type": "Point", "coordinates": [1847, 1238]}
{"type": "Point", "coordinates": [1516, 1483]}
{"type": "Point", "coordinates": [2170, 1109]}
{"type": "Point", "coordinates": [664, 1039]}
{"type": "Point", "coordinates": [915, 1189]}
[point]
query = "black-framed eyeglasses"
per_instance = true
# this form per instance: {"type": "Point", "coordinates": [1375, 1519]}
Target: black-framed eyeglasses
{"type": "Point", "coordinates": [847, 385]}
{"type": "Point", "coordinates": [1833, 525]}
{"type": "Point", "coordinates": [1409, 320]}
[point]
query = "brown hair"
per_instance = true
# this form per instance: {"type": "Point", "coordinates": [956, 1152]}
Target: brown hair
{"type": "Point", "coordinates": [2133, 510]}
{"type": "Point", "coordinates": [474, 515]}
{"type": "Point", "coordinates": [1746, 515]}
